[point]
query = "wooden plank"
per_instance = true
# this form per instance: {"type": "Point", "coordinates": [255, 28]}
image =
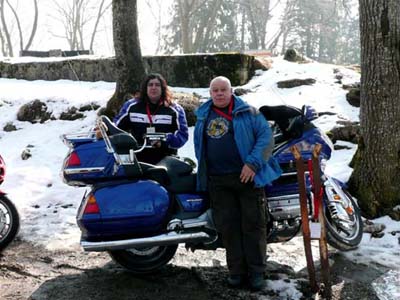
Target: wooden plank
{"type": "Point", "coordinates": [304, 217]}
{"type": "Point", "coordinates": [323, 247]}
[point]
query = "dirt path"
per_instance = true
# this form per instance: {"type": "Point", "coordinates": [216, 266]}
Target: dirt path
{"type": "Point", "coordinates": [31, 272]}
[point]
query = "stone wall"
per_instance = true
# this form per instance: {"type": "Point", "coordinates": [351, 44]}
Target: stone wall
{"type": "Point", "coordinates": [180, 70]}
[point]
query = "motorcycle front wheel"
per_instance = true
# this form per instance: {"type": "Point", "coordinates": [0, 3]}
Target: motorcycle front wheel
{"type": "Point", "coordinates": [341, 237]}
{"type": "Point", "coordinates": [144, 260]}
{"type": "Point", "coordinates": [9, 221]}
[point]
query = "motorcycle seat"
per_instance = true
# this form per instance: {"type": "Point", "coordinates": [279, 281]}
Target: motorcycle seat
{"type": "Point", "coordinates": [175, 167]}
{"type": "Point", "coordinates": [173, 180]}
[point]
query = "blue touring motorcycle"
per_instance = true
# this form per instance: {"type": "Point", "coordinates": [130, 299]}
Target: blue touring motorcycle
{"type": "Point", "coordinates": [139, 213]}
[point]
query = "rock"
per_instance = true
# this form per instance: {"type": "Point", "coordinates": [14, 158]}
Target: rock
{"type": "Point", "coordinates": [349, 133]}
{"type": "Point", "coordinates": [26, 154]}
{"type": "Point", "coordinates": [262, 63]}
{"type": "Point", "coordinates": [327, 113]}
{"type": "Point", "coordinates": [9, 127]}
{"type": "Point", "coordinates": [241, 91]}
{"type": "Point", "coordinates": [341, 147]}
{"type": "Point", "coordinates": [35, 111]}
{"type": "Point", "coordinates": [88, 107]}
{"type": "Point", "coordinates": [353, 97]}
{"type": "Point", "coordinates": [293, 56]}
{"type": "Point", "coordinates": [339, 76]}
{"type": "Point", "coordinates": [71, 114]}
{"type": "Point", "coordinates": [189, 102]}
{"type": "Point", "coordinates": [355, 85]}
{"type": "Point", "coordinates": [295, 82]}
{"type": "Point", "coordinates": [395, 213]}
{"type": "Point", "coordinates": [67, 205]}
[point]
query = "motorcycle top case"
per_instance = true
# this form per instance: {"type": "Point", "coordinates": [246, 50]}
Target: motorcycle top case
{"type": "Point", "coordinates": [95, 164]}
{"type": "Point", "coordinates": [130, 209]}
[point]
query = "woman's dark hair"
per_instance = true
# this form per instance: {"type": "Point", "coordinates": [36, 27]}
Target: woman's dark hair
{"type": "Point", "coordinates": [166, 94]}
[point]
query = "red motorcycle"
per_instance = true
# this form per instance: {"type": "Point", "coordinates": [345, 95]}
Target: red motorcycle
{"type": "Point", "coordinates": [9, 218]}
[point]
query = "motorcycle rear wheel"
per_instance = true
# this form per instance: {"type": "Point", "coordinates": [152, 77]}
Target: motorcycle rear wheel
{"type": "Point", "coordinates": [338, 238]}
{"type": "Point", "coordinates": [9, 222]}
{"type": "Point", "coordinates": [144, 260]}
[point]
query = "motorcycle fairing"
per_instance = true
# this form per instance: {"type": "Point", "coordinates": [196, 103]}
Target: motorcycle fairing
{"type": "Point", "coordinates": [192, 202]}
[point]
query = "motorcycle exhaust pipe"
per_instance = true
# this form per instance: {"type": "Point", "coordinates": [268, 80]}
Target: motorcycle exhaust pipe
{"type": "Point", "coordinates": [171, 238]}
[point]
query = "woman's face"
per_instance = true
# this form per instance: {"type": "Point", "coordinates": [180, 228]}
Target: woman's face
{"type": "Point", "coordinates": [154, 90]}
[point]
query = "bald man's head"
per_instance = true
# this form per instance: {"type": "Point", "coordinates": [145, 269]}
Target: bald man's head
{"type": "Point", "coordinates": [221, 91]}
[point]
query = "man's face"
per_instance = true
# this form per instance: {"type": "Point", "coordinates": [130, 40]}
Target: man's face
{"type": "Point", "coordinates": [154, 90]}
{"type": "Point", "coordinates": [221, 93]}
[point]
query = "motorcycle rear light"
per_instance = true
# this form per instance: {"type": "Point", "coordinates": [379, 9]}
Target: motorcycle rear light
{"type": "Point", "coordinates": [73, 160]}
{"type": "Point", "coordinates": [91, 206]}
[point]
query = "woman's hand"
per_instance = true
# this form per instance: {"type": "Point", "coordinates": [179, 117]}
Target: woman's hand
{"type": "Point", "coordinates": [156, 144]}
{"type": "Point", "coordinates": [97, 133]}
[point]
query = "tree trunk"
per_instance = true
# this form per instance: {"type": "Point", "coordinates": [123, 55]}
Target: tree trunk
{"type": "Point", "coordinates": [21, 38]}
{"type": "Point", "coordinates": [128, 56]}
{"type": "Point", "coordinates": [34, 26]}
{"type": "Point", "coordinates": [376, 177]}
{"type": "Point", "coordinates": [184, 11]}
{"type": "Point", "coordinates": [5, 30]}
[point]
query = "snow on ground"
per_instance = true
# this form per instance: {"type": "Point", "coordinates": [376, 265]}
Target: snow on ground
{"type": "Point", "coordinates": [47, 206]}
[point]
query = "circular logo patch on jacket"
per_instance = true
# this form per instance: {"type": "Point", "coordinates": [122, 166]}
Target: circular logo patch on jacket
{"type": "Point", "coordinates": [217, 128]}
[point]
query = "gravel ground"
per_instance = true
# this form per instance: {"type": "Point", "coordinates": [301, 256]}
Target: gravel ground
{"type": "Point", "coordinates": [32, 272]}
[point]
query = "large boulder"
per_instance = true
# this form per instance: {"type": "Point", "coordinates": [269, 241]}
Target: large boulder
{"type": "Point", "coordinates": [353, 97]}
{"type": "Point", "coordinates": [262, 63]}
{"type": "Point", "coordinates": [34, 112]}
{"type": "Point", "coordinates": [293, 56]}
{"type": "Point", "coordinates": [349, 133]}
{"type": "Point", "coordinates": [189, 102]}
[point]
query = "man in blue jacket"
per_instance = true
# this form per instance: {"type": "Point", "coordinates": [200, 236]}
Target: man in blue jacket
{"type": "Point", "coordinates": [233, 145]}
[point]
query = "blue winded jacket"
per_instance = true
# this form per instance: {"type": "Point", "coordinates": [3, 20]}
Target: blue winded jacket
{"type": "Point", "coordinates": [253, 138]}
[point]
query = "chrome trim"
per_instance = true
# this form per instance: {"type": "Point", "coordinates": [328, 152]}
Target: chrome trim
{"type": "Point", "coordinates": [204, 220]}
{"type": "Point", "coordinates": [83, 170]}
{"type": "Point", "coordinates": [284, 197]}
{"type": "Point", "coordinates": [341, 204]}
{"type": "Point", "coordinates": [171, 238]}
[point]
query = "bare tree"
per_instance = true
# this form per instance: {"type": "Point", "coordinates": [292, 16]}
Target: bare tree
{"type": "Point", "coordinates": [156, 12]}
{"type": "Point", "coordinates": [375, 180]}
{"type": "Point", "coordinates": [76, 17]}
{"type": "Point", "coordinates": [102, 9]}
{"type": "Point", "coordinates": [186, 10]}
{"type": "Point", "coordinates": [9, 46]}
{"type": "Point", "coordinates": [258, 14]}
{"type": "Point", "coordinates": [128, 56]}
{"type": "Point", "coordinates": [34, 26]}
{"type": "Point", "coordinates": [19, 27]}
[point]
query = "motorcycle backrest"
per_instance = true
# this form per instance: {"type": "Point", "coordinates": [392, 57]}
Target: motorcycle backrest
{"type": "Point", "coordinates": [290, 120]}
{"type": "Point", "coordinates": [111, 128]}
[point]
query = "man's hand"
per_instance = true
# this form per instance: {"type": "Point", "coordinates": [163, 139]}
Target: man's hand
{"type": "Point", "coordinates": [247, 174]}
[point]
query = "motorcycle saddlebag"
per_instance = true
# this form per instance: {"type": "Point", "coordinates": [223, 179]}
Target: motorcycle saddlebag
{"type": "Point", "coordinates": [126, 210]}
